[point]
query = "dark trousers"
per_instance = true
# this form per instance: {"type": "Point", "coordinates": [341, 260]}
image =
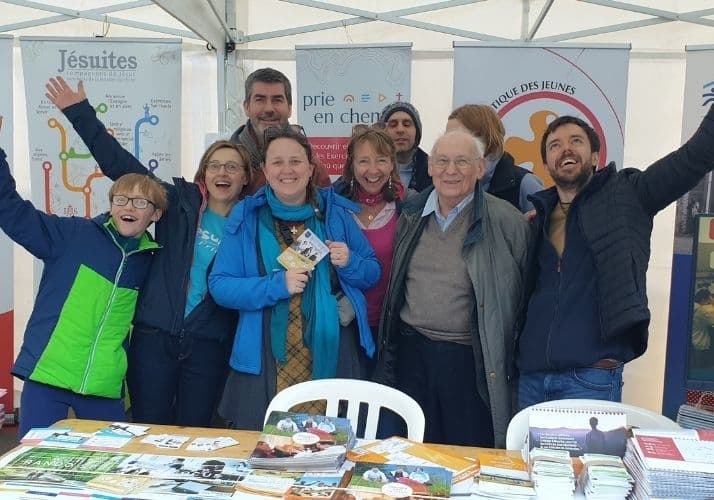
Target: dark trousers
{"type": "Point", "coordinates": [175, 380]}
{"type": "Point", "coordinates": [42, 405]}
{"type": "Point", "coordinates": [441, 377]}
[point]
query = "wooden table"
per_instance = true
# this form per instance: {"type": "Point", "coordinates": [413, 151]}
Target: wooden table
{"type": "Point", "coordinates": [246, 439]}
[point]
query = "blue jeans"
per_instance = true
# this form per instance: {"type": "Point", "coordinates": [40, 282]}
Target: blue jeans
{"type": "Point", "coordinates": [42, 405]}
{"type": "Point", "coordinates": [174, 380]}
{"type": "Point", "coordinates": [578, 383]}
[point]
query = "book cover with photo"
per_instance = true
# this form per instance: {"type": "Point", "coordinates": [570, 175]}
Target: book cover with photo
{"type": "Point", "coordinates": [58, 465]}
{"type": "Point", "coordinates": [398, 450]}
{"type": "Point", "coordinates": [379, 481]}
{"type": "Point", "coordinates": [298, 440]}
{"type": "Point", "coordinates": [305, 252]}
{"type": "Point", "coordinates": [577, 431]}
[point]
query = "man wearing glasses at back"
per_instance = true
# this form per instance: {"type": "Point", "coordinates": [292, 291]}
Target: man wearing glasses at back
{"type": "Point", "coordinates": [268, 103]}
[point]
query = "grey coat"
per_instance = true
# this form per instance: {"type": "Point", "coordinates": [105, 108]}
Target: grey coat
{"type": "Point", "coordinates": [495, 251]}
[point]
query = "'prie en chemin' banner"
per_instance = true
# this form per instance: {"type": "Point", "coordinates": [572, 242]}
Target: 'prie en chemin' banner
{"type": "Point", "coordinates": [343, 86]}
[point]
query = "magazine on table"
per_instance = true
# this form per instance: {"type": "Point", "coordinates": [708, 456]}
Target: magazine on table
{"type": "Point", "coordinates": [299, 441]}
{"type": "Point", "coordinates": [380, 481]}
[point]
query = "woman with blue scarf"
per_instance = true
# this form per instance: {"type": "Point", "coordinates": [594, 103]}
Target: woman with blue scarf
{"type": "Point", "coordinates": [295, 325]}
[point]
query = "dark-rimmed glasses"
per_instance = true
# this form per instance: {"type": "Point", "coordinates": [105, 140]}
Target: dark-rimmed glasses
{"type": "Point", "coordinates": [140, 203]}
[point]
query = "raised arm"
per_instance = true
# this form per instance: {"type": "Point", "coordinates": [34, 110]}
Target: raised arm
{"type": "Point", "coordinates": [111, 157]}
{"type": "Point", "coordinates": [670, 177]}
{"type": "Point", "coordinates": [40, 234]}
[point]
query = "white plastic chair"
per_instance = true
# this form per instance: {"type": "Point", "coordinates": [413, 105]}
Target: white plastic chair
{"type": "Point", "coordinates": [354, 392]}
{"type": "Point", "coordinates": [636, 417]}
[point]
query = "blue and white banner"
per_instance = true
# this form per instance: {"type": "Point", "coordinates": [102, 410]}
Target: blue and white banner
{"type": "Point", "coordinates": [529, 86]}
{"type": "Point", "coordinates": [135, 86]}
{"type": "Point", "coordinates": [343, 86]}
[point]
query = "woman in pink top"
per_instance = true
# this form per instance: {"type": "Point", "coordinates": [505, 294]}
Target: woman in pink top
{"type": "Point", "coordinates": [371, 178]}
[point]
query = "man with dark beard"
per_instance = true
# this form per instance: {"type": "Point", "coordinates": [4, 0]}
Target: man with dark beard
{"type": "Point", "coordinates": [584, 312]}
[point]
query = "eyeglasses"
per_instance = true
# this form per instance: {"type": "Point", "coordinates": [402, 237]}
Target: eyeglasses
{"type": "Point", "coordinates": [140, 203]}
{"type": "Point", "coordinates": [230, 166]}
{"type": "Point", "coordinates": [288, 131]}
{"type": "Point", "coordinates": [463, 164]}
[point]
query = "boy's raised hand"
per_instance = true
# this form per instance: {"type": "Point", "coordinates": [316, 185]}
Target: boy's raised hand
{"type": "Point", "coordinates": [62, 95]}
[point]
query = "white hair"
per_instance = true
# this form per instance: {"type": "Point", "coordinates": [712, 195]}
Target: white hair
{"type": "Point", "coordinates": [478, 144]}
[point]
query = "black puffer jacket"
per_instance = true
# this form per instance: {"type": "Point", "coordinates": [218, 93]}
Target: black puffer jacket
{"type": "Point", "coordinates": [162, 301]}
{"type": "Point", "coordinates": [616, 210]}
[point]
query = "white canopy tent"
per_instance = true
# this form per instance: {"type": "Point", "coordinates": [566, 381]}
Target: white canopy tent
{"type": "Point", "coordinates": [265, 33]}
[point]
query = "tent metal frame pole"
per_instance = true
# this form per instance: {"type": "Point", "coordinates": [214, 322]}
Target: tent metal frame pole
{"type": "Point", "coordinates": [539, 20]}
{"type": "Point", "coordinates": [363, 16]}
{"type": "Point", "coordinates": [98, 14]}
{"type": "Point", "coordinates": [221, 87]}
{"type": "Point", "coordinates": [225, 79]}
{"type": "Point", "coordinates": [602, 30]}
{"type": "Point", "coordinates": [687, 17]}
{"type": "Point", "coordinates": [229, 35]}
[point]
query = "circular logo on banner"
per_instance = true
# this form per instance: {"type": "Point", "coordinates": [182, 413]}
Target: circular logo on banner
{"type": "Point", "coordinates": [305, 438]}
{"type": "Point", "coordinates": [396, 490]}
{"type": "Point", "coordinates": [537, 110]}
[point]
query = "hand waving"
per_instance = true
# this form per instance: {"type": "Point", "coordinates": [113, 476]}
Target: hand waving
{"type": "Point", "coordinates": [62, 95]}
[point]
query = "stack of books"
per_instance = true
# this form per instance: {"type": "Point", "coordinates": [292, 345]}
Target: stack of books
{"type": "Point", "coordinates": [691, 417]}
{"type": "Point", "coordinates": [604, 477]}
{"type": "Point", "coordinates": [671, 463]}
{"type": "Point", "coordinates": [503, 475]}
{"type": "Point", "coordinates": [552, 473]}
{"type": "Point", "coordinates": [300, 442]}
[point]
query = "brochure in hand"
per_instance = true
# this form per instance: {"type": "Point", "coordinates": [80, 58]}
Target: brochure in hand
{"type": "Point", "coordinates": [299, 441]}
{"type": "Point", "coordinates": [305, 252]}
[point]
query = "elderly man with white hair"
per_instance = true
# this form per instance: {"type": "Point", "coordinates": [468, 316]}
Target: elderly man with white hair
{"type": "Point", "coordinates": [446, 332]}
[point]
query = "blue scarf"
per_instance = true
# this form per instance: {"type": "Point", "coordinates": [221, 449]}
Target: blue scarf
{"type": "Point", "coordinates": [321, 328]}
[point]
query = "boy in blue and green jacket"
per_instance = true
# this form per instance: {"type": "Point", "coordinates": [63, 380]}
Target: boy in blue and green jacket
{"type": "Point", "coordinates": [73, 353]}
